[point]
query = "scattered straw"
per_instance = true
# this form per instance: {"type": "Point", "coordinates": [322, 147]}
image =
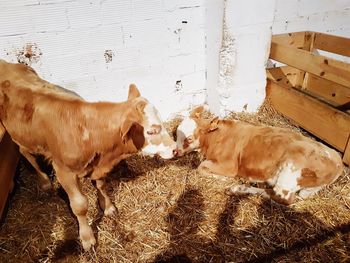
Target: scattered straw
{"type": "Point", "coordinates": [167, 212]}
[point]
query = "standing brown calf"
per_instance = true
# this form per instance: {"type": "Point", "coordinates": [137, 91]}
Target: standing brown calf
{"type": "Point", "coordinates": [82, 138]}
{"type": "Point", "coordinates": [24, 76]}
{"type": "Point", "coordinates": [292, 164]}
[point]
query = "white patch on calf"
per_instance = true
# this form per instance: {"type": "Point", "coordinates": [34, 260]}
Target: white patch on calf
{"type": "Point", "coordinates": [86, 135]}
{"type": "Point", "coordinates": [287, 180]}
{"type": "Point", "coordinates": [153, 118]}
{"type": "Point", "coordinates": [185, 130]}
{"type": "Point", "coordinates": [152, 115]}
{"type": "Point", "coordinates": [327, 153]}
{"type": "Point", "coordinates": [187, 127]}
{"type": "Point", "coordinates": [164, 151]}
{"type": "Point", "coordinates": [304, 193]}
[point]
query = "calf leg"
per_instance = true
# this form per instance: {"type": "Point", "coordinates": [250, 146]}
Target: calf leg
{"type": "Point", "coordinates": [103, 199]}
{"type": "Point", "coordinates": [79, 205]}
{"type": "Point", "coordinates": [304, 193]}
{"type": "Point", "coordinates": [248, 190]}
{"type": "Point", "coordinates": [266, 193]}
{"type": "Point", "coordinates": [44, 179]}
{"type": "Point", "coordinates": [211, 167]}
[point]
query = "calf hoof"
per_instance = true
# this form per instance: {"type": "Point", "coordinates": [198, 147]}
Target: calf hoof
{"type": "Point", "coordinates": [235, 189]}
{"type": "Point", "coordinates": [88, 243]}
{"type": "Point", "coordinates": [110, 211]}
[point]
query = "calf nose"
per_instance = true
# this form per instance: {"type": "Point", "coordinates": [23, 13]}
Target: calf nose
{"type": "Point", "coordinates": [175, 152]}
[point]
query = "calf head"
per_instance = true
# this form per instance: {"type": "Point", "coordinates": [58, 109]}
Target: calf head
{"type": "Point", "coordinates": [144, 128]}
{"type": "Point", "coordinates": [190, 130]}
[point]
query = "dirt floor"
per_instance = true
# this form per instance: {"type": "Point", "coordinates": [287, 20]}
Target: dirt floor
{"type": "Point", "coordinates": [167, 212]}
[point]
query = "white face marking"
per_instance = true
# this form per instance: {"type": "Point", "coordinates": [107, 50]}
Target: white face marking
{"type": "Point", "coordinates": [187, 127]}
{"type": "Point", "coordinates": [163, 150]}
{"type": "Point", "coordinates": [152, 115]}
{"type": "Point", "coordinates": [287, 180]}
{"type": "Point", "coordinates": [185, 130]}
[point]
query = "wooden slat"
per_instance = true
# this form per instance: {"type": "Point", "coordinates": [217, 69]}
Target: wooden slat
{"type": "Point", "coordinates": [328, 124]}
{"type": "Point", "coordinates": [333, 93]}
{"type": "Point", "coordinates": [333, 44]}
{"type": "Point", "coordinates": [346, 156]}
{"type": "Point", "coordinates": [290, 39]}
{"type": "Point", "coordinates": [324, 67]}
{"type": "Point", "coordinates": [285, 76]}
{"type": "Point", "coordinates": [308, 45]}
{"type": "Point", "coordinates": [9, 156]}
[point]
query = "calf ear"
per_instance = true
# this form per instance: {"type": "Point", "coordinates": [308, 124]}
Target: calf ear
{"type": "Point", "coordinates": [131, 130]}
{"type": "Point", "coordinates": [124, 131]}
{"type": "Point", "coordinates": [140, 107]}
{"type": "Point", "coordinates": [214, 124]}
{"type": "Point", "coordinates": [133, 92]}
{"type": "Point", "coordinates": [196, 112]}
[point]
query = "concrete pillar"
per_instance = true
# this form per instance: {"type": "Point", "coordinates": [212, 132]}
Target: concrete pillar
{"type": "Point", "coordinates": [214, 34]}
{"type": "Point", "coordinates": [243, 56]}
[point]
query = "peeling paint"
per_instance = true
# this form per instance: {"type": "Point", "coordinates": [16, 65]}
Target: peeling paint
{"type": "Point", "coordinates": [109, 54]}
{"type": "Point", "coordinates": [29, 54]}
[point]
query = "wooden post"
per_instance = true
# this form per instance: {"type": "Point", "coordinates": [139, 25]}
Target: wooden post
{"type": "Point", "coordinates": [346, 156]}
{"type": "Point", "coordinates": [9, 156]}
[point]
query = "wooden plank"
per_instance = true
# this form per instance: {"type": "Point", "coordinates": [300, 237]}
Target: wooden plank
{"type": "Point", "coordinates": [308, 45]}
{"type": "Point", "coordinates": [333, 44]}
{"type": "Point", "coordinates": [286, 76]}
{"type": "Point", "coordinates": [333, 93]}
{"type": "Point", "coordinates": [324, 67]}
{"type": "Point", "coordinates": [290, 39]}
{"type": "Point", "coordinates": [325, 122]}
{"type": "Point", "coordinates": [9, 156]}
{"type": "Point", "coordinates": [346, 156]}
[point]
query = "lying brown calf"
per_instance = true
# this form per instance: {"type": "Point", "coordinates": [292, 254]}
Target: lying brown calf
{"type": "Point", "coordinates": [292, 164]}
{"type": "Point", "coordinates": [82, 138]}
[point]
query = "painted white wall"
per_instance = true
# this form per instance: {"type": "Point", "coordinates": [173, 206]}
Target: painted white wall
{"type": "Point", "coordinates": [214, 35]}
{"type": "Point", "coordinates": [248, 25]}
{"type": "Point", "coordinates": [97, 48]}
{"type": "Point", "coordinates": [325, 16]}
{"type": "Point", "coordinates": [243, 55]}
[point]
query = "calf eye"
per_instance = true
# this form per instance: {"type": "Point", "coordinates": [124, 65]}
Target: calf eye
{"type": "Point", "coordinates": [155, 129]}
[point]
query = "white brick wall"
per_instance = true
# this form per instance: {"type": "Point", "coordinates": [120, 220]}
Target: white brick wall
{"type": "Point", "coordinates": [153, 43]}
{"type": "Point", "coordinates": [325, 16]}
{"type": "Point", "coordinates": [331, 16]}
{"type": "Point", "coordinates": [246, 40]}
{"type": "Point", "coordinates": [98, 47]}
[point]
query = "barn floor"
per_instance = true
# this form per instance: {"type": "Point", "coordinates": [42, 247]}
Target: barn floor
{"type": "Point", "coordinates": [167, 212]}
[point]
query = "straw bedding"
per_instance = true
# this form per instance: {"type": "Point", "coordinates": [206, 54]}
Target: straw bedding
{"type": "Point", "coordinates": [167, 212]}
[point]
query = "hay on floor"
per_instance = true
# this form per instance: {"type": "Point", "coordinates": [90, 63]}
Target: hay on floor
{"type": "Point", "coordinates": [167, 212]}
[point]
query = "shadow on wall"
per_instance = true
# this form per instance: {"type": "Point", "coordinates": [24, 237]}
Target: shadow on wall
{"type": "Point", "coordinates": [261, 243]}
